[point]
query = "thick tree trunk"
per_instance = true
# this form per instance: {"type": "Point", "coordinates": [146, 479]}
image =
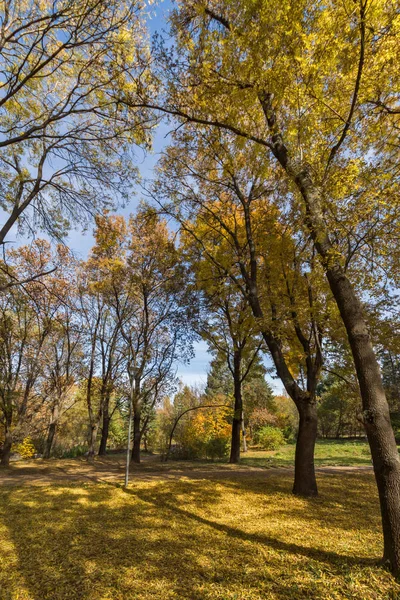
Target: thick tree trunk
{"type": "Point", "coordinates": [6, 451]}
{"type": "Point", "coordinates": [304, 479]}
{"type": "Point", "coordinates": [305, 483]}
{"type": "Point", "coordinates": [235, 442]}
{"type": "Point", "coordinates": [137, 437]}
{"type": "Point", "coordinates": [385, 456]}
{"type": "Point", "coordinates": [104, 435]}
{"type": "Point", "coordinates": [376, 417]}
{"type": "Point", "coordinates": [237, 415]}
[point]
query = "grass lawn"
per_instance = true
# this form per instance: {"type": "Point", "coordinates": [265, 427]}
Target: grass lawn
{"type": "Point", "coordinates": [327, 453]}
{"type": "Point", "coordinates": [239, 538]}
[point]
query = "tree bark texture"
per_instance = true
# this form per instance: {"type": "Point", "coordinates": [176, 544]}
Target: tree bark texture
{"type": "Point", "coordinates": [6, 452]}
{"type": "Point", "coordinates": [305, 483]}
{"type": "Point", "coordinates": [237, 414]}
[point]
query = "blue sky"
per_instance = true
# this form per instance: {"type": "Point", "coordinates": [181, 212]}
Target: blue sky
{"type": "Point", "coordinates": [194, 373]}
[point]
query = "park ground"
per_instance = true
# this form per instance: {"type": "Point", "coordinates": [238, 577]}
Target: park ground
{"type": "Point", "coordinates": [196, 531]}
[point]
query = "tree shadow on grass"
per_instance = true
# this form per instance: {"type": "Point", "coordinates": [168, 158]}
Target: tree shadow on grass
{"type": "Point", "coordinates": [345, 500]}
{"type": "Point", "coordinates": [328, 557]}
{"type": "Point", "coordinates": [168, 539]}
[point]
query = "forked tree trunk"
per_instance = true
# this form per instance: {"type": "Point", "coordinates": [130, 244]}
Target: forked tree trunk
{"type": "Point", "coordinates": [93, 429]}
{"type": "Point", "coordinates": [304, 473]}
{"type": "Point", "coordinates": [305, 483]}
{"type": "Point", "coordinates": [6, 451]}
{"type": "Point", "coordinates": [300, 397]}
{"type": "Point", "coordinates": [137, 437]}
{"type": "Point", "coordinates": [237, 414]}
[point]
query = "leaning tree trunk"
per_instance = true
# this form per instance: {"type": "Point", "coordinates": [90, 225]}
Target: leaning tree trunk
{"type": "Point", "coordinates": [376, 416]}
{"type": "Point", "coordinates": [237, 415]}
{"type": "Point", "coordinates": [6, 452]}
{"type": "Point", "coordinates": [304, 473]}
{"type": "Point", "coordinates": [305, 483]}
{"type": "Point", "coordinates": [137, 437]}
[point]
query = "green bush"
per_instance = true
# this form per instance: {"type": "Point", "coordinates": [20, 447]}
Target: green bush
{"type": "Point", "coordinates": [75, 452]}
{"type": "Point", "coordinates": [270, 438]}
{"type": "Point", "coordinates": [178, 452]}
{"type": "Point", "coordinates": [60, 451]}
{"type": "Point", "coordinates": [217, 447]}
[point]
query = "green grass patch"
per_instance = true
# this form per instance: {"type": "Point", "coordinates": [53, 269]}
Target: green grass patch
{"type": "Point", "coordinates": [341, 453]}
{"type": "Point", "coordinates": [240, 538]}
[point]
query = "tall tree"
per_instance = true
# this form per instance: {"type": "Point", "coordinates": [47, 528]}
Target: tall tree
{"type": "Point", "coordinates": [27, 317]}
{"type": "Point", "coordinates": [226, 323]}
{"type": "Point", "coordinates": [145, 290]}
{"type": "Point", "coordinates": [220, 196]}
{"type": "Point", "coordinates": [63, 353]}
{"type": "Point", "coordinates": [312, 86]}
{"type": "Point", "coordinates": [102, 325]}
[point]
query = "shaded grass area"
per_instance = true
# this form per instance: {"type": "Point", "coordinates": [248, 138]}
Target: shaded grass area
{"type": "Point", "coordinates": [327, 453]}
{"type": "Point", "coordinates": [112, 468]}
{"type": "Point", "coordinates": [236, 539]}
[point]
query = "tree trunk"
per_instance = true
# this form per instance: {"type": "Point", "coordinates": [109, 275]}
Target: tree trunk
{"type": "Point", "coordinates": [237, 415]}
{"type": "Point", "coordinates": [376, 417]}
{"type": "Point", "coordinates": [5, 455]}
{"type": "Point", "coordinates": [244, 435]}
{"type": "Point", "coordinates": [299, 396]}
{"type": "Point", "coordinates": [106, 427]}
{"type": "Point", "coordinates": [93, 429]}
{"type": "Point", "coordinates": [304, 472]}
{"type": "Point", "coordinates": [385, 456]}
{"type": "Point", "coordinates": [104, 436]}
{"type": "Point", "coordinates": [137, 436]}
{"type": "Point", "coordinates": [50, 439]}
{"type": "Point", "coordinates": [51, 432]}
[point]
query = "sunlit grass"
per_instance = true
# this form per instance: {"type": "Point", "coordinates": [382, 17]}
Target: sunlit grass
{"type": "Point", "coordinates": [327, 453]}
{"type": "Point", "coordinates": [237, 538]}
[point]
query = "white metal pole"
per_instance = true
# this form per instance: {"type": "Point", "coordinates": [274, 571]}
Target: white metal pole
{"type": "Point", "coordinates": [128, 446]}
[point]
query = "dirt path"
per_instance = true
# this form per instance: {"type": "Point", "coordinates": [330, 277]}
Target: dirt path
{"type": "Point", "coordinates": [112, 469]}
